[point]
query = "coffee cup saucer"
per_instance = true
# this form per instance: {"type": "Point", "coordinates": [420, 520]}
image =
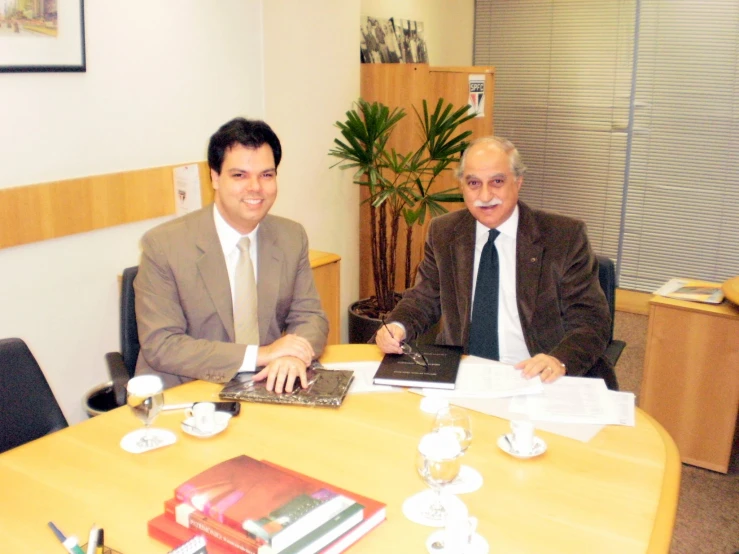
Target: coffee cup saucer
{"type": "Point", "coordinates": [221, 422]}
{"type": "Point", "coordinates": [477, 545]}
{"type": "Point", "coordinates": [505, 445]}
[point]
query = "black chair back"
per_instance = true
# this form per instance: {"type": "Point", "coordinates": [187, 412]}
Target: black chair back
{"type": "Point", "coordinates": [129, 329]}
{"type": "Point", "coordinates": [608, 282]}
{"type": "Point", "coordinates": [28, 408]}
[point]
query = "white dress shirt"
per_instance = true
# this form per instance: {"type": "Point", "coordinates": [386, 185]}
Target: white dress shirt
{"type": "Point", "coordinates": [229, 239]}
{"type": "Point", "coordinates": [512, 346]}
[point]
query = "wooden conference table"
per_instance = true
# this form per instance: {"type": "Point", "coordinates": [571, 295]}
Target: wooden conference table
{"type": "Point", "coordinates": [617, 493]}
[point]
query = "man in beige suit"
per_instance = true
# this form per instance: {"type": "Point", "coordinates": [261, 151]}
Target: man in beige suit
{"type": "Point", "coordinates": [186, 287]}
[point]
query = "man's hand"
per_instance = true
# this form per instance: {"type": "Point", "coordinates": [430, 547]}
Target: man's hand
{"type": "Point", "coordinates": [548, 368]}
{"type": "Point", "coordinates": [288, 345]}
{"type": "Point", "coordinates": [282, 372]}
{"type": "Point", "coordinates": [389, 337]}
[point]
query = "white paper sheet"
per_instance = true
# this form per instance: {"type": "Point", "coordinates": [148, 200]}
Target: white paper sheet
{"type": "Point", "coordinates": [489, 380]}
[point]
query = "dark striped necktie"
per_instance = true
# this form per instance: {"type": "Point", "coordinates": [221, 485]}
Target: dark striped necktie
{"type": "Point", "coordinates": [484, 326]}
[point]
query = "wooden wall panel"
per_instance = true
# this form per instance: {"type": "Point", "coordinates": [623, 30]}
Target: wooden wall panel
{"type": "Point", "coordinates": [51, 210]}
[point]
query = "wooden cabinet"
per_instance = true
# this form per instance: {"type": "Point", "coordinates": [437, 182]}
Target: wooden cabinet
{"type": "Point", "coordinates": [691, 377]}
{"type": "Point", "coordinates": [326, 273]}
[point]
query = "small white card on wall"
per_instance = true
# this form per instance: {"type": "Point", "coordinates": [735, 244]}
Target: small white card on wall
{"type": "Point", "coordinates": [476, 100]}
{"type": "Point", "coordinates": [187, 196]}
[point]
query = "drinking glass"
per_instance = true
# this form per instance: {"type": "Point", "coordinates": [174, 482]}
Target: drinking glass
{"type": "Point", "coordinates": [455, 422]}
{"type": "Point", "coordinates": [146, 398]}
{"type": "Point", "coordinates": [437, 462]}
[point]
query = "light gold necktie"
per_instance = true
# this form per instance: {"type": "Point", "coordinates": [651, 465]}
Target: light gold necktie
{"type": "Point", "coordinates": [246, 325]}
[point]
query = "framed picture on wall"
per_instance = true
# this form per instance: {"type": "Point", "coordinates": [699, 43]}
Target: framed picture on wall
{"type": "Point", "coordinates": [42, 35]}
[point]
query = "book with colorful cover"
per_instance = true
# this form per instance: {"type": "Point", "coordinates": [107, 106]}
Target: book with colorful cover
{"type": "Point", "coordinates": [374, 513]}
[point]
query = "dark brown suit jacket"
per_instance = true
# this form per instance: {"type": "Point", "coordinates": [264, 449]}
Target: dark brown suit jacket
{"type": "Point", "coordinates": [562, 308]}
{"type": "Point", "coordinates": [184, 309]}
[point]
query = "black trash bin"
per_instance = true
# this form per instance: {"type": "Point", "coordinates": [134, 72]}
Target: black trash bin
{"type": "Point", "coordinates": [100, 399]}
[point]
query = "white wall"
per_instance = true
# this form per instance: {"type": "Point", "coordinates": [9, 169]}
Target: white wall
{"type": "Point", "coordinates": [161, 77]}
{"type": "Point", "coordinates": [448, 25]}
{"type": "Point", "coordinates": [311, 52]}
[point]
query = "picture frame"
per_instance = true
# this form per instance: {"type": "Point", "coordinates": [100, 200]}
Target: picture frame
{"type": "Point", "coordinates": [46, 36]}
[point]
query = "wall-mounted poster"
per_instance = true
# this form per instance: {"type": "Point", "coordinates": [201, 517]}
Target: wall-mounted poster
{"type": "Point", "coordinates": [476, 100]}
{"type": "Point", "coordinates": [42, 35]}
{"type": "Point", "coordinates": [409, 35]}
{"type": "Point", "coordinates": [378, 43]}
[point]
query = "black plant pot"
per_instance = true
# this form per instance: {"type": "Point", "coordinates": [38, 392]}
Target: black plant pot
{"type": "Point", "coordinates": [362, 328]}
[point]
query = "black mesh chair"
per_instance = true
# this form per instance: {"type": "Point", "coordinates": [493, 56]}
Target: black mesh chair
{"type": "Point", "coordinates": [608, 282]}
{"type": "Point", "coordinates": [28, 408]}
{"type": "Point", "coordinates": [121, 365]}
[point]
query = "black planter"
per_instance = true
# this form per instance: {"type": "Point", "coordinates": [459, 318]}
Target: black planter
{"type": "Point", "coordinates": [361, 328]}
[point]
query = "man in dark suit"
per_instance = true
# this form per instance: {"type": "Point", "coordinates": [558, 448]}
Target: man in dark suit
{"type": "Point", "coordinates": [552, 317]}
{"type": "Point", "coordinates": [187, 286]}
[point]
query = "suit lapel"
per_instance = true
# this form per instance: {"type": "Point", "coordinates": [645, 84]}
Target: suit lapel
{"type": "Point", "coordinates": [529, 254]}
{"type": "Point", "coordinates": [212, 268]}
{"type": "Point", "coordinates": [269, 264]}
{"type": "Point", "coordinates": [462, 253]}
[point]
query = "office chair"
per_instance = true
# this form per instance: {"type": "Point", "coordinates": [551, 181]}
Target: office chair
{"type": "Point", "coordinates": [28, 408]}
{"type": "Point", "coordinates": [121, 365]}
{"type": "Point", "coordinates": [607, 277]}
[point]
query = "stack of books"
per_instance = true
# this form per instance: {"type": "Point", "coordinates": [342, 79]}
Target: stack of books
{"type": "Point", "coordinates": [243, 505]}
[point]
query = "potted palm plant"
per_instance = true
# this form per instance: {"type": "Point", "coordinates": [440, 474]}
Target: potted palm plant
{"type": "Point", "coordinates": [399, 186]}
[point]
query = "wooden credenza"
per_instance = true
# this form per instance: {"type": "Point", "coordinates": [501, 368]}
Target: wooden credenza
{"type": "Point", "coordinates": [326, 273]}
{"type": "Point", "coordinates": [691, 377]}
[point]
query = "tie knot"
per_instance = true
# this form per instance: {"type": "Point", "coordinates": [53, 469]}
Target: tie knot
{"type": "Point", "coordinates": [492, 235]}
{"type": "Point", "coordinates": [244, 245]}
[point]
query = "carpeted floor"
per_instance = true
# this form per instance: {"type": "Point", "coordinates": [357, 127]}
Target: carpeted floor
{"type": "Point", "coordinates": [708, 507]}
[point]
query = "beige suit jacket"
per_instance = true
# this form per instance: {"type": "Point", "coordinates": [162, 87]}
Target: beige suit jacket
{"type": "Point", "coordinates": [184, 309]}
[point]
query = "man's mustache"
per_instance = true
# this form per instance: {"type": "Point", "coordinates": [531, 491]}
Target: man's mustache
{"type": "Point", "coordinates": [490, 204]}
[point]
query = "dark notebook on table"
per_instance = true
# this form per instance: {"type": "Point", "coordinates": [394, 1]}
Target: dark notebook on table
{"type": "Point", "coordinates": [400, 370]}
{"type": "Point", "coordinates": [328, 389]}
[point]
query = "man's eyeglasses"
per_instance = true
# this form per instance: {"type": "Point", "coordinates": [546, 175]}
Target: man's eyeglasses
{"type": "Point", "coordinates": [415, 355]}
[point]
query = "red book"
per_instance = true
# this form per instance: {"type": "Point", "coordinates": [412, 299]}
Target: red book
{"type": "Point", "coordinates": [187, 516]}
{"type": "Point", "coordinates": [241, 489]}
{"type": "Point", "coordinates": [374, 512]}
{"type": "Point", "coordinates": [171, 533]}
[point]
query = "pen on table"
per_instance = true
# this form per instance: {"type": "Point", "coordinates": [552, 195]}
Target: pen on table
{"type": "Point", "coordinates": [92, 539]}
{"type": "Point", "coordinates": [70, 543]}
{"type": "Point", "coordinates": [169, 407]}
{"type": "Point", "coordinates": [100, 541]}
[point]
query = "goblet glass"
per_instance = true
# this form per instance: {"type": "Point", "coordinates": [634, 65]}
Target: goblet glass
{"type": "Point", "coordinates": [455, 422]}
{"type": "Point", "coordinates": [437, 463]}
{"type": "Point", "coordinates": [145, 397]}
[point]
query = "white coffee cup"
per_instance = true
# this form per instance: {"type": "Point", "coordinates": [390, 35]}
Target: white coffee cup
{"type": "Point", "coordinates": [203, 415]}
{"type": "Point", "coordinates": [523, 436]}
{"type": "Point", "coordinates": [458, 529]}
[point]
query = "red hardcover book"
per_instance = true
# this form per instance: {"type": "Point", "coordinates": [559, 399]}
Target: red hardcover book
{"type": "Point", "coordinates": [273, 506]}
{"type": "Point", "coordinates": [241, 489]}
{"type": "Point", "coordinates": [166, 530]}
{"type": "Point", "coordinates": [185, 515]}
{"type": "Point", "coordinates": [374, 512]}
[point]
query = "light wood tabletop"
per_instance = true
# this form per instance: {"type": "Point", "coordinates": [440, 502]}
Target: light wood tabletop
{"type": "Point", "coordinates": [617, 493]}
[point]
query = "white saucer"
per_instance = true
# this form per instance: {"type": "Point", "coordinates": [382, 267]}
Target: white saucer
{"type": "Point", "coordinates": [221, 422]}
{"type": "Point", "coordinates": [539, 447]}
{"type": "Point", "coordinates": [432, 404]}
{"type": "Point", "coordinates": [478, 544]}
{"type": "Point", "coordinates": [129, 443]}
{"type": "Point", "coordinates": [468, 480]}
{"type": "Point", "coordinates": [413, 506]}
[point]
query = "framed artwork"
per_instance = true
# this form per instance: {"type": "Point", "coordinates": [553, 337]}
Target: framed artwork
{"type": "Point", "coordinates": [42, 35]}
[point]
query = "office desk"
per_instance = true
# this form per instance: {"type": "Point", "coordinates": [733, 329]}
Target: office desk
{"type": "Point", "coordinates": [617, 493]}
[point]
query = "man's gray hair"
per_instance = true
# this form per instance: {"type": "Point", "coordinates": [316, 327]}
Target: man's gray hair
{"type": "Point", "coordinates": [517, 166]}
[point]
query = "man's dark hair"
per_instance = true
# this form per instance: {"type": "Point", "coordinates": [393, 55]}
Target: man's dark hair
{"type": "Point", "coordinates": [251, 133]}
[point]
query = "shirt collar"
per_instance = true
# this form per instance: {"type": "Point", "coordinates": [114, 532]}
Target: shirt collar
{"type": "Point", "coordinates": [508, 228]}
{"type": "Point", "coordinates": [227, 235]}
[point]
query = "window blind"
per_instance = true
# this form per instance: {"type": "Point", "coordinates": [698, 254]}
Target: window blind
{"type": "Point", "coordinates": [562, 93]}
{"type": "Point", "coordinates": [682, 208]}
